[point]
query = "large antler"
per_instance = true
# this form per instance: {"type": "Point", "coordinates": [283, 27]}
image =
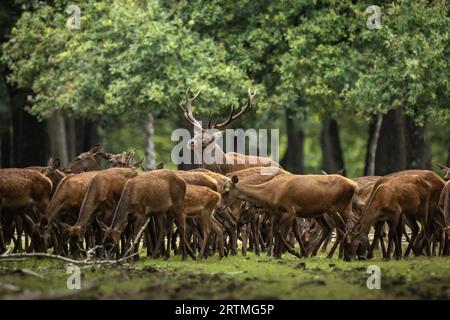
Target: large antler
{"type": "Point", "coordinates": [187, 108]}
{"type": "Point", "coordinates": [233, 116]}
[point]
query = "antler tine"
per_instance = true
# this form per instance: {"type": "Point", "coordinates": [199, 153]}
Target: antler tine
{"type": "Point", "coordinates": [232, 116]}
{"type": "Point", "coordinates": [188, 108]}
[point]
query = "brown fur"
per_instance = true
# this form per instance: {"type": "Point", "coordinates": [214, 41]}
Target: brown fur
{"type": "Point", "coordinates": [22, 192]}
{"type": "Point", "coordinates": [103, 194]}
{"type": "Point", "coordinates": [287, 196]}
{"type": "Point", "coordinates": [201, 202]}
{"type": "Point", "coordinates": [391, 197]}
{"type": "Point", "coordinates": [153, 193]}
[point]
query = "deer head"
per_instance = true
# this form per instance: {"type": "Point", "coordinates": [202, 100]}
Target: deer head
{"type": "Point", "coordinates": [205, 137]}
{"type": "Point", "coordinates": [445, 169]}
{"type": "Point", "coordinates": [84, 162]}
{"type": "Point", "coordinates": [53, 173]}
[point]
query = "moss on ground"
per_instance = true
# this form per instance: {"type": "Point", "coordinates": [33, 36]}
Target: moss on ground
{"type": "Point", "coordinates": [236, 277]}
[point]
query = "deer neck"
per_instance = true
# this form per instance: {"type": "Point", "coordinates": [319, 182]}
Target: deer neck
{"type": "Point", "coordinates": [254, 193]}
{"type": "Point", "coordinates": [219, 157]}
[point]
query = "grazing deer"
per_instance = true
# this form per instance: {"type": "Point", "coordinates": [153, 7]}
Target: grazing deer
{"type": "Point", "coordinates": [63, 207]}
{"type": "Point", "coordinates": [243, 213]}
{"type": "Point", "coordinates": [155, 193]}
{"type": "Point", "coordinates": [200, 202]}
{"type": "Point", "coordinates": [435, 216]}
{"type": "Point", "coordinates": [391, 197]}
{"type": "Point", "coordinates": [103, 194]}
{"type": "Point", "coordinates": [288, 196]}
{"type": "Point", "coordinates": [22, 191]}
{"type": "Point", "coordinates": [207, 138]}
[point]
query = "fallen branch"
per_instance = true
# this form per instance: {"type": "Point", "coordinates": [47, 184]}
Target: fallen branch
{"type": "Point", "coordinates": [20, 256]}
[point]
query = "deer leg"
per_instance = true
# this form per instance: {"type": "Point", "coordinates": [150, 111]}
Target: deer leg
{"type": "Point", "coordinates": [414, 233]}
{"type": "Point", "coordinates": [244, 239]}
{"type": "Point", "coordinates": [148, 241]}
{"type": "Point", "coordinates": [285, 224]}
{"type": "Point", "coordinates": [376, 238]}
{"type": "Point", "coordinates": [206, 232]}
{"type": "Point", "coordinates": [270, 236]}
{"type": "Point", "coordinates": [325, 231]}
{"type": "Point", "coordinates": [298, 236]}
{"type": "Point", "coordinates": [159, 237]}
{"type": "Point", "coordinates": [255, 230]}
{"type": "Point", "coordinates": [169, 235]}
{"type": "Point", "coordinates": [218, 229]}
{"type": "Point", "coordinates": [185, 246]}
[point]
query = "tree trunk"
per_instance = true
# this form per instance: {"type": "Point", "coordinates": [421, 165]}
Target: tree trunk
{"type": "Point", "coordinates": [448, 156]}
{"type": "Point", "coordinates": [372, 146]}
{"type": "Point", "coordinates": [391, 154]}
{"type": "Point", "coordinates": [293, 159]}
{"type": "Point", "coordinates": [150, 160]}
{"type": "Point", "coordinates": [56, 129]}
{"type": "Point", "coordinates": [332, 160]}
{"type": "Point", "coordinates": [419, 146]}
{"type": "Point", "coordinates": [93, 134]}
{"type": "Point", "coordinates": [29, 135]}
{"type": "Point", "coordinates": [5, 125]}
{"type": "Point", "coordinates": [401, 145]}
{"type": "Point", "coordinates": [71, 138]}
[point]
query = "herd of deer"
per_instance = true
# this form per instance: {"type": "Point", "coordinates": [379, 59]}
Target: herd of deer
{"type": "Point", "coordinates": [208, 209]}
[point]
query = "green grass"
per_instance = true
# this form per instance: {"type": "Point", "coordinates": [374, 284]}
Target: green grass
{"type": "Point", "coordinates": [236, 277]}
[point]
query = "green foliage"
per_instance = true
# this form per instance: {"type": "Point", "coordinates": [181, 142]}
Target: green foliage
{"type": "Point", "coordinates": [127, 59]}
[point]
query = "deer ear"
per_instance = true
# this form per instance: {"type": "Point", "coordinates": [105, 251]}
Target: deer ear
{"type": "Point", "coordinates": [56, 164]}
{"type": "Point", "coordinates": [341, 172]}
{"type": "Point", "coordinates": [94, 149]}
{"type": "Point", "coordinates": [234, 179]}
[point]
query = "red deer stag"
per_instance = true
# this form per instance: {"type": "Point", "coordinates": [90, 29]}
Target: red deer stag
{"type": "Point", "coordinates": [226, 162]}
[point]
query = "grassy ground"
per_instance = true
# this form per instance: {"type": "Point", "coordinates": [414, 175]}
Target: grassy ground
{"type": "Point", "coordinates": [235, 277]}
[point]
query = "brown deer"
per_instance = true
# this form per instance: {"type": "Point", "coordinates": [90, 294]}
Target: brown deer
{"type": "Point", "coordinates": [200, 202]}
{"type": "Point", "coordinates": [207, 138]}
{"type": "Point", "coordinates": [156, 193]}
{"type": "Point", "coordinates": [445, 170]}
{"type": "Point", "coordinates": [391, 197]}
{"type": "Point", "coordinates": [84, 162]}
{"type": "Point", "coordinates": [435, 216]}
{"type": "Point", "coordinates": [25, 191]}
{"type": "Point", "coordinates": [198, 179]}
{"type": "Point", "coordinates": [51, 171]}
{"type": "Point", "coordinates": [243, 212]}
{"type": "Point", "coordinates": [102, 195]}
{"type": "Point", "coordinates": [288, 196]}
{"type": "Point", "coordinates": [63, 207]}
